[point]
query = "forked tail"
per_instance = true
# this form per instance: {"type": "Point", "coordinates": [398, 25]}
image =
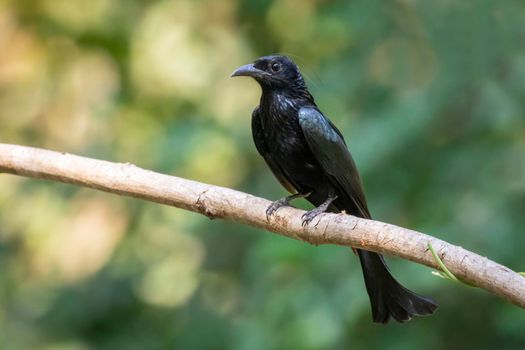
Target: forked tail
{"type": "Point", "coordinates": [387, 296]}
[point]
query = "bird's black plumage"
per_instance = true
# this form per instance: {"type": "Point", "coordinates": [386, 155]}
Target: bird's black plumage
{"type": "Point", "coordinates": [308, 155]}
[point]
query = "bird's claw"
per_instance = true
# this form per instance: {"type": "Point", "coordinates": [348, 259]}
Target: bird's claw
{"type": "Point", "coordinates": [272, 208]}
{"type": "Point", "coordinates": [309, 216]}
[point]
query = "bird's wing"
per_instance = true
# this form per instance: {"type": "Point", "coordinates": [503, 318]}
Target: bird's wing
{"type": "Point", "coordinates": [262, 148]}
{"type": "Point", "coordinates": [329, 149]}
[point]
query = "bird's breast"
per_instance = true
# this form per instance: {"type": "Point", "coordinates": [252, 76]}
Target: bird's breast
{"type": "Point", "coordinates": [288, 146]}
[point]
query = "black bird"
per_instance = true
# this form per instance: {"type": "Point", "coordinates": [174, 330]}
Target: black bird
{"type": "Point", "coordinates": [309, 157]}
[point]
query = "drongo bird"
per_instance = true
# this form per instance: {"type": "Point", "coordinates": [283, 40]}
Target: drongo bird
{"type": "Point", "coordinates": [308, 155]}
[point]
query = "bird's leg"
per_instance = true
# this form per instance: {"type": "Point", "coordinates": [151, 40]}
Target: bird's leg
{"type": "Point", "coordinates": [310, 215]}
{"type": "Point", "coordinates": [283, 202]}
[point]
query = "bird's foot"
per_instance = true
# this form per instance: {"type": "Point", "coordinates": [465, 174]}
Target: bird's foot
{"type": "Point", "coordinates": [272, 208]}
{"type": "Point", "coordinates": [311, 214]}
{"type": "Point", "coordinates": [283, 202]}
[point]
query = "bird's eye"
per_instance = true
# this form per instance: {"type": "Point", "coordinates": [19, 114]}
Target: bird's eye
{"type": "Point", "coordinates": [276, 67]}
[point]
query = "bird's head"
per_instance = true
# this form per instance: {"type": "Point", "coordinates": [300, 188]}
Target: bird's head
{"type": "Point", "coordinates": [274, 72]}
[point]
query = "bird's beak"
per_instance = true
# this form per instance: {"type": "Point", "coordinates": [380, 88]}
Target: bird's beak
{"type": "Point", "coordinates": [248, 70]}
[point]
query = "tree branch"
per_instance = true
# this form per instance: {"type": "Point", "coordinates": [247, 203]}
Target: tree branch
{"type": "Point", "coordinates": [219, 202]}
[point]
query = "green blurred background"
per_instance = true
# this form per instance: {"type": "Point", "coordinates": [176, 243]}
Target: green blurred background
{"type": "Point", "coordinates": [430, 95]}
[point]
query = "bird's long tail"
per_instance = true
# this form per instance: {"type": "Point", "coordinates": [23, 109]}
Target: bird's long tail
{"type": "Point", "coordinates": [387, 296]}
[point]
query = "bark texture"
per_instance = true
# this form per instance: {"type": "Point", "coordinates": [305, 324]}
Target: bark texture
{"type": "Point", "coordinates": [219, 202]}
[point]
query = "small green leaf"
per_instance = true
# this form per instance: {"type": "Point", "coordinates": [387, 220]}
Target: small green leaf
{"type": "Point", "coordinates": [446, 272]}
{"type": "Point", "coordinates": [440, 275]}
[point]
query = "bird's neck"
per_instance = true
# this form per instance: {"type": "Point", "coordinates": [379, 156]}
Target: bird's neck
{"type": "Point", "coordinates": [280, 109]}
{"type": "Point", "coordinates": [271, 95]}
{"type": "Point", "coordinates": [276, 103]}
